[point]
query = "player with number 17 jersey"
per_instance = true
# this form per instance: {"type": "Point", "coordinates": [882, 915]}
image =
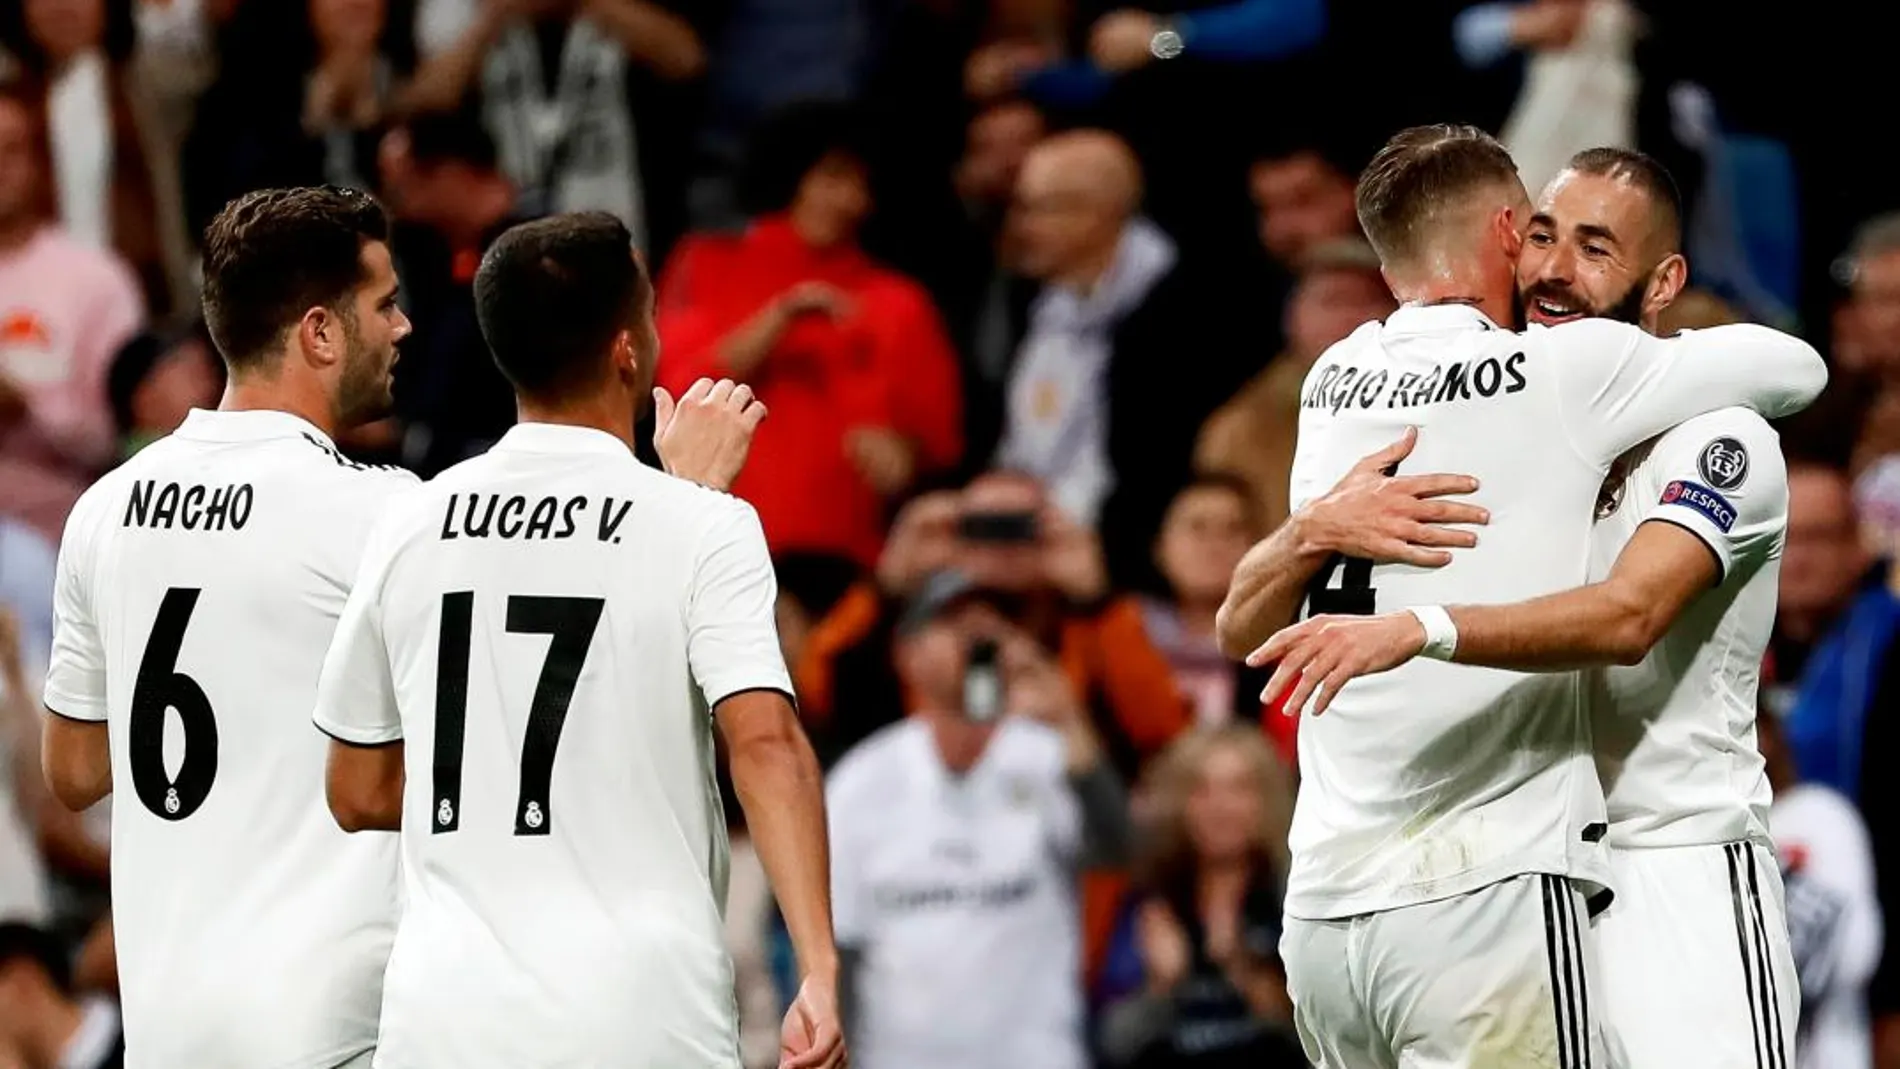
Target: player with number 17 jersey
{"type": "Point", "coordinates": [545, 629]}
{"type": "Point", "coordinates": [198, 585]}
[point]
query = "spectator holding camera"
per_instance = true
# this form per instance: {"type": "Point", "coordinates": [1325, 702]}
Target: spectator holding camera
{"type": "Point", "coordinates": [958, 835]}
{"type": "Point", "coordinates": [1002, 531]}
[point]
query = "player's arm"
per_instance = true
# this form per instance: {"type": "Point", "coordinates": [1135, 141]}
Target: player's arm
{"type": "Point", "coordinates": [1689, 540]}
{"type": "Point", "coordinates": [74, 754]}
{"type": "Point", "coordinates": [356, 707]}
{"type": "Point", "coordinates": [1370, 514]}
{"type": "Point", "coordinates": [781, 789]}
{"type": "Point", "coordinates": [1620, 386]}
{"type": "Point", "coordinates": [733, 649]}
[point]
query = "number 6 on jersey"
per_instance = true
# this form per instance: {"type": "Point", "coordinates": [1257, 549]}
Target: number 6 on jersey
{"type": "Point", "coordinates": [570, 625]}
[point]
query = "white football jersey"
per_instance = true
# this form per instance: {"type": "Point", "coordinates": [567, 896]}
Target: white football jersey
{"type": "Point", "coordinates": [1435, 779]}
{"type": "Point", "coordinates": [197, 589]}
{"type": "Point", "coordinates": [545, 628]}
{"type": "Point", "coordinates": [959, 892]}
{"type": "Point", "coordinates": [1675, 733]}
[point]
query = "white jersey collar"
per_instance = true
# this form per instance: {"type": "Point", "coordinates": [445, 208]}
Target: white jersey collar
{"type": "Point", "coordinates": [251, 425]}
{"type": "Point", "coordinates": [1437, 319]}
{"type": "Point", "coordinates": [561, 438]}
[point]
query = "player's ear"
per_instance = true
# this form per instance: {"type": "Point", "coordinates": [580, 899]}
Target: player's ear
{"type": "Point", "coordinates": [1666, 283]}
{"type": "Point", "coordinates": [320, 334]}
{"type": "Point", "coordinates": [1510, 236]}
{"type": "Point", "coordinates": [625, 356]}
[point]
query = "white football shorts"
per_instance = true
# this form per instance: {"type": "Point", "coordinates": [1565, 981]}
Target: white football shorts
{"type": "Point", "coordinates": [1697, 968]}
{"type": "Point", "coordinates": [1500, 978]}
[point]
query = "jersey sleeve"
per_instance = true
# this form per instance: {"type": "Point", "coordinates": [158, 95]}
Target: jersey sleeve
{"type": "Point", "coordinates": [1619, 386]}
{"type": "Point", "coordinates": [1722, 478]}
{"type": "Point", "coordinates": [76, 677]}
{"type": "Point", "coordinates": [731, 621]}
{"type": "Point", "coordinates": [356, 694]}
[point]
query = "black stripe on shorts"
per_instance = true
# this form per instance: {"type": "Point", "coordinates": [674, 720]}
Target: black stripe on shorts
{"type": "Point", "coordinates": [1569, 991]}
{"type": "Point", "coordinates": [1759, 989]}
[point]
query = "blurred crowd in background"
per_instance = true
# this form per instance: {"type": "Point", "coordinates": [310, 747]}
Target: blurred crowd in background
{"type": "Point", "coordinates": [1029, 287]}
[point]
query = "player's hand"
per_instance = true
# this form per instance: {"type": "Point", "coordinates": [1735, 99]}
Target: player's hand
{"type": "Point", "coordinates": [706, 435]}
{"type": "Point", "coordinates": [922, 541]}
{"type": "Point", "coordinates": [1319, 656]}
{"type": "Point", "coordinates": [1393, 519]}
{"type": "Point", "coordinates": [1120, 40]}
{"type": "Point", "coordinates": [1073, 561]}
{"type": "Point", "coordinates": [883, 457]}
{"type": "Point", "coordinates": [812, 1036]}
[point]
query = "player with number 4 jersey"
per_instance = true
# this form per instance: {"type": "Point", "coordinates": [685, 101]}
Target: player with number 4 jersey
{"type": "Point", "coordinates": [526, 681]}
{"type": "Point", "coordinates": [1448, 837]}
{"type": "Point", "coordinates": [197, 588]}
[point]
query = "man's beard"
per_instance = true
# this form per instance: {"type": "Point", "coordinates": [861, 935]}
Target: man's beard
{"type": "Point", "coordinates": [1625, 309]}
{"type": "Point", "coordinates": [363, 394]}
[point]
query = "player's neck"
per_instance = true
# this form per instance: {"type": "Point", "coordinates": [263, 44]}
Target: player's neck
{"type": "Point", "coordinates": [600, 411]}
{"type": "Point", "coordinates": [278, 395]}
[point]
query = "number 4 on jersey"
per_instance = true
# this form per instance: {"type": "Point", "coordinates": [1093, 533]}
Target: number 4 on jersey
{"type": "Point", "coordinates": [570, 625]}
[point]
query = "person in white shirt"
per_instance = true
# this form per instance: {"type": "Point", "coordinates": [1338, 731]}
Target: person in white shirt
{"type": "Point", "coordinates": [959, 835]}
{"type": "Point", "coordinates": [1685, 558]}
{"type": "Point", "coordinates": [1834, 921]}
{"type": "Point", "coordinates": [550, 631]}
{"type": "Point", "coordinates": [1447, 843]}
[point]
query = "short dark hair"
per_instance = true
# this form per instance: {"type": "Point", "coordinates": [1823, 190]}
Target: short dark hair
{"type": "Point", "coordinates": [784, 147]}
{"type": "Point", "coordinates": [1418, 171]}
{"type": "Point", "coordinates": [551, 295]}
{"type": "Point", "coordinates": [450, 137]}
{"type": "Point", "coordinates": [1642, 171]}
{"type": "Point", "coordinates": [272, 255]}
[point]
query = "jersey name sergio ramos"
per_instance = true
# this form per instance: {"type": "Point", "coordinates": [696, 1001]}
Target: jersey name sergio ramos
{"type": "Point", "coordinates": [545, 628]}
{"type": "Point", "coordinates": [1675, 733]}
{"type": "Point", "coordinates": [198, 586]}
{"type": "Point", "coordinates": [1435, 779]}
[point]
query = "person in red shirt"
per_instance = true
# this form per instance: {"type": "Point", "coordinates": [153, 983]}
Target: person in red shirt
{"type": "Point", "coordinates": [850, 357]}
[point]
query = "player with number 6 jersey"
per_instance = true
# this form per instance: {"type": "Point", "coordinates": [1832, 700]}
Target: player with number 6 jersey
{"type": "Point", "coordinates": [526, 680]}
{"type": "Point", "coordinates": [197, 588]}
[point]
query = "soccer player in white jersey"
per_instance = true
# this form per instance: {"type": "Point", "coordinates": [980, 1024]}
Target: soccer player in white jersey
{"type": "Point", "coordinates": [197, 587]}
{"type": "Point", "coordinates": [525, 680]}
{"type": "Point", "coordinates": [1696, 963]}
{"type": "Point", "coordinates": [1447, 839]}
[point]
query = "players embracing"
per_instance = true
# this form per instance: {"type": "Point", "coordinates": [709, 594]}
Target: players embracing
{"type": "Point", "coordinates": [1453, 748]}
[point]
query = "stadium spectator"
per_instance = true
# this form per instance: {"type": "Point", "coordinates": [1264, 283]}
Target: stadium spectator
{"type": "Point", "coordinates": [1834, 921]}
{"type": "Point", "coordinates": [450, 201]}
{"type": "Point", "coordinates": [849, 357]}
{"type": "Point", "coordinates": [113, 176]}
{"type": "Point", "coordinates": [1251, 436]}
{"type": "Point", "coordinates": [1003, 531]}
{"type": "Point", "coordinates": [44, 1022]}
{"type": "Point", "coordinates": [576, 94]}
{"type": "Point", "coordinates": [23, 888]}
{"type": "Point", "coordinates": [306, 112]}
{"type": "Point", "coordinates": [1198, 949]}
{"type": "Point", "coordinates": [957, 836]}
{"type": "Point", "coordinates": [1303, 200]}
{"type": "Point", "coordinates": [1128, 347]}
{"type": "Point", "coordinates": [1208, 527]}
{"type": "Point", "coordinates": [157, 379]}
{"type": "Point", "coordinates": [65, 308]}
